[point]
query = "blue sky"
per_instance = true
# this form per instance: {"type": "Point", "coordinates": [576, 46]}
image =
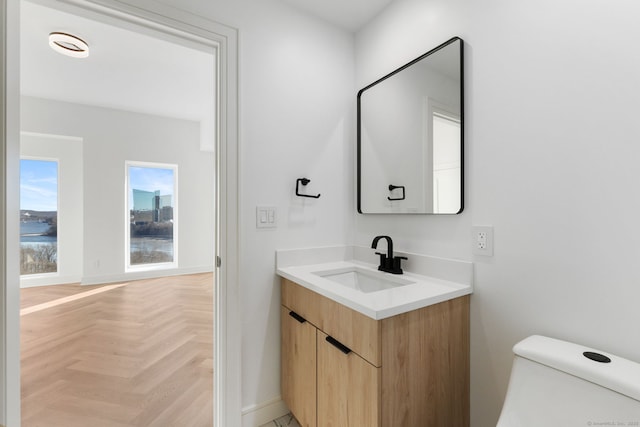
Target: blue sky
{"type": "Point", "coordinates": [39, 185]}
{"type": "Point", "coordinates": [151, 179]}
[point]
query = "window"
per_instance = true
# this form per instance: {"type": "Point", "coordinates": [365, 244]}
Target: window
{"type": "Point", "coordinates": [38, 216]}
{"type": "Point", "coordinates": [151, 215]}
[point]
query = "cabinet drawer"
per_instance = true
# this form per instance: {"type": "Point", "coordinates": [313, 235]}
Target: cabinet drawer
{"type": "Point", "coordinates": [355, 330]}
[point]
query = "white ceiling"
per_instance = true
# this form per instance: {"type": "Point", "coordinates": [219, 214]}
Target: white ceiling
{"type": "Point", "coordinates": [125, 69]}
{"type": "Point", "coordinates": [348, 14]}
{"type": "Point", "coordinates": [136, 69]}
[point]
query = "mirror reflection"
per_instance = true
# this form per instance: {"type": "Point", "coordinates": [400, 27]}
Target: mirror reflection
{"type": "Point", "coordinates": [410, 137]}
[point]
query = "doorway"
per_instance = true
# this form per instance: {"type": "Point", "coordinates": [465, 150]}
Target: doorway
{"type": "Point", "coordinates": [143, 103]}
{"type": "Point", "coordinates": [226, 226]}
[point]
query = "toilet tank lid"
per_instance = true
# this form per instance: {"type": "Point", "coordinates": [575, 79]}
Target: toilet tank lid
{"type": "Point", "coordinates": [620, 375]}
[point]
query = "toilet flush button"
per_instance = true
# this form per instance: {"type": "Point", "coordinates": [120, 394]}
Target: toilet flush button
{"type": "Point", "coordinates": [596, 357]}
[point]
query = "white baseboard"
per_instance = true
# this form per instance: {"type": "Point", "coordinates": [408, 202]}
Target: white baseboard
{"type": "Point", "coordinates": [138, 275]}
{"type": "Point", "coordinates": [150, 274]}
{"type": "Point", "coordinates": [261, 413]}
{"type": "Point", "coordinates": [30, 281]}
{"type": "Point", "coordinates": [52, 279]}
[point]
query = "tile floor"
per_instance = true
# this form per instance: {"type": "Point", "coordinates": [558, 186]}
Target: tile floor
{"type": "Point", "coordinates": [286, 421]}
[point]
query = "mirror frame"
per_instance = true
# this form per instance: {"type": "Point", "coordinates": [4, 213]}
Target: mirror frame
{"type": "Point", "coordinates": [359, 134]}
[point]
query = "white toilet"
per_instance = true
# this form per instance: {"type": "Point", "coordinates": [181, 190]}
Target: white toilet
{"type": "Point", "coordinates": [559, 384]}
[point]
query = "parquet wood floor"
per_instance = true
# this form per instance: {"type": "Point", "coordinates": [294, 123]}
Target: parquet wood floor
{"type": "Point", "coordinates": [134, 355]}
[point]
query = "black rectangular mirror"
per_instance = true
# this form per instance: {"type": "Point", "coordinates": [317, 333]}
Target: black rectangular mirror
{"type": "Point", "coordinates": [410, 136]}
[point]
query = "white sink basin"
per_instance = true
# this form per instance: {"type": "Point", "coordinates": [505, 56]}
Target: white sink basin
{"type": "Point", "coordinates": [363, 280]}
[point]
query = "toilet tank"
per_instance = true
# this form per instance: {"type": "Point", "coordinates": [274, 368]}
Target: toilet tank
{"type": "Point", "coordinates": [553, 383]}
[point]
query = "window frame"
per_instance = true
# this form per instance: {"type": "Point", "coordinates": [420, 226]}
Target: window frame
{"type": "Point", "coordinates": [129, 268]}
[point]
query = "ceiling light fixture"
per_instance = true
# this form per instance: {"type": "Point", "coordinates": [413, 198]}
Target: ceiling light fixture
{"type": "Point", "coordinates": [68, 44]}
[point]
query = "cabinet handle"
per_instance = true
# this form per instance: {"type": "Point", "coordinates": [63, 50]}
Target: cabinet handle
{"type": "Point", "coordinates": [297, 317]}
{"type": "Point", "coordinates": [337, 344]}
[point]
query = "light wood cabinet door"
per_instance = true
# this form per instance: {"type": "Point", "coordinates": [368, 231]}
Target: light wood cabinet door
{"type": "Point", "coordinates": [298, 367]}
{"type": "Point", "coordinates": [348, 387]}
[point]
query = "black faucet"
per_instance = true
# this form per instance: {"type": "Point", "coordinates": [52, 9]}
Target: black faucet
{"type": "Point", "coordinates": [388, 262]}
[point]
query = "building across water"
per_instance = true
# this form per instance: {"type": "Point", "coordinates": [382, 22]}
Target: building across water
{"type": "Point", "coordinates": [150, 206]}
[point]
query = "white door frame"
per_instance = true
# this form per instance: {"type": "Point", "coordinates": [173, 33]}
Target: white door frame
{"type": "Point", "coordinates": [227, 332]}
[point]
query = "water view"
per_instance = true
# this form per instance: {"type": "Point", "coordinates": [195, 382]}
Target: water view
{"type": "Point", "coordinates": [33, 233]}
{"type": "Point", "coordinates": [38, 247]}
{"type": "Point", "coordinates": [149, 250]}
{"type": "Point", "coordinates": [38, 216]}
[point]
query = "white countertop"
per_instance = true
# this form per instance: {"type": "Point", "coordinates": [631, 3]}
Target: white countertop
{"type": "Point", "coordinates": [425, 290]}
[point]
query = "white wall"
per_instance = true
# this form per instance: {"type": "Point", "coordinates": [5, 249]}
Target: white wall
{"type": "Point", "coordinates": [68, 152]}
{"type": "Point", "coordinates": [110, 137]}
{"type": "Point", "coordinates": [551, 162]}
{"type": "Point", "coordinates": [297, 109]}
{"type": "Point", "coordinates": [297, 121]}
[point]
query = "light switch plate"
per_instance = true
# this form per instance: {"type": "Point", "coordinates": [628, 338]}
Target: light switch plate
{"type": "Point", "coordinates": [266, 217]}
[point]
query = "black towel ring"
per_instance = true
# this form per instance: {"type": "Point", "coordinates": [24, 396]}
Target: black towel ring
{"type": "Point", "coordinates": [304, 181]}
{"type": "Point", "coordinates": [393, 187]}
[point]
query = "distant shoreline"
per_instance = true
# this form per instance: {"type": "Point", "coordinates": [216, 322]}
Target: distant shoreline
{"type": "Point", "coordinates": [35, 232]}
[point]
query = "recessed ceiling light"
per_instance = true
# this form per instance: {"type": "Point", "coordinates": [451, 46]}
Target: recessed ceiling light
{"type": "Point", "coordinates": [68, 44]}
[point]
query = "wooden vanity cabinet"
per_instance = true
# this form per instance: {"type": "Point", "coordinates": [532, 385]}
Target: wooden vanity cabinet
{"type": "Point", "coordinates": [341, 368]}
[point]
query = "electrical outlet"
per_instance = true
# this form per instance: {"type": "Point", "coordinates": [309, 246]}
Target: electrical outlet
{"type": "Point", "coordinates": [482, 240]}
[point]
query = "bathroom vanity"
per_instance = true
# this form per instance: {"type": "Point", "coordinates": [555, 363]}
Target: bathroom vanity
{"type": "Point", "coordinates": [381, 355]}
